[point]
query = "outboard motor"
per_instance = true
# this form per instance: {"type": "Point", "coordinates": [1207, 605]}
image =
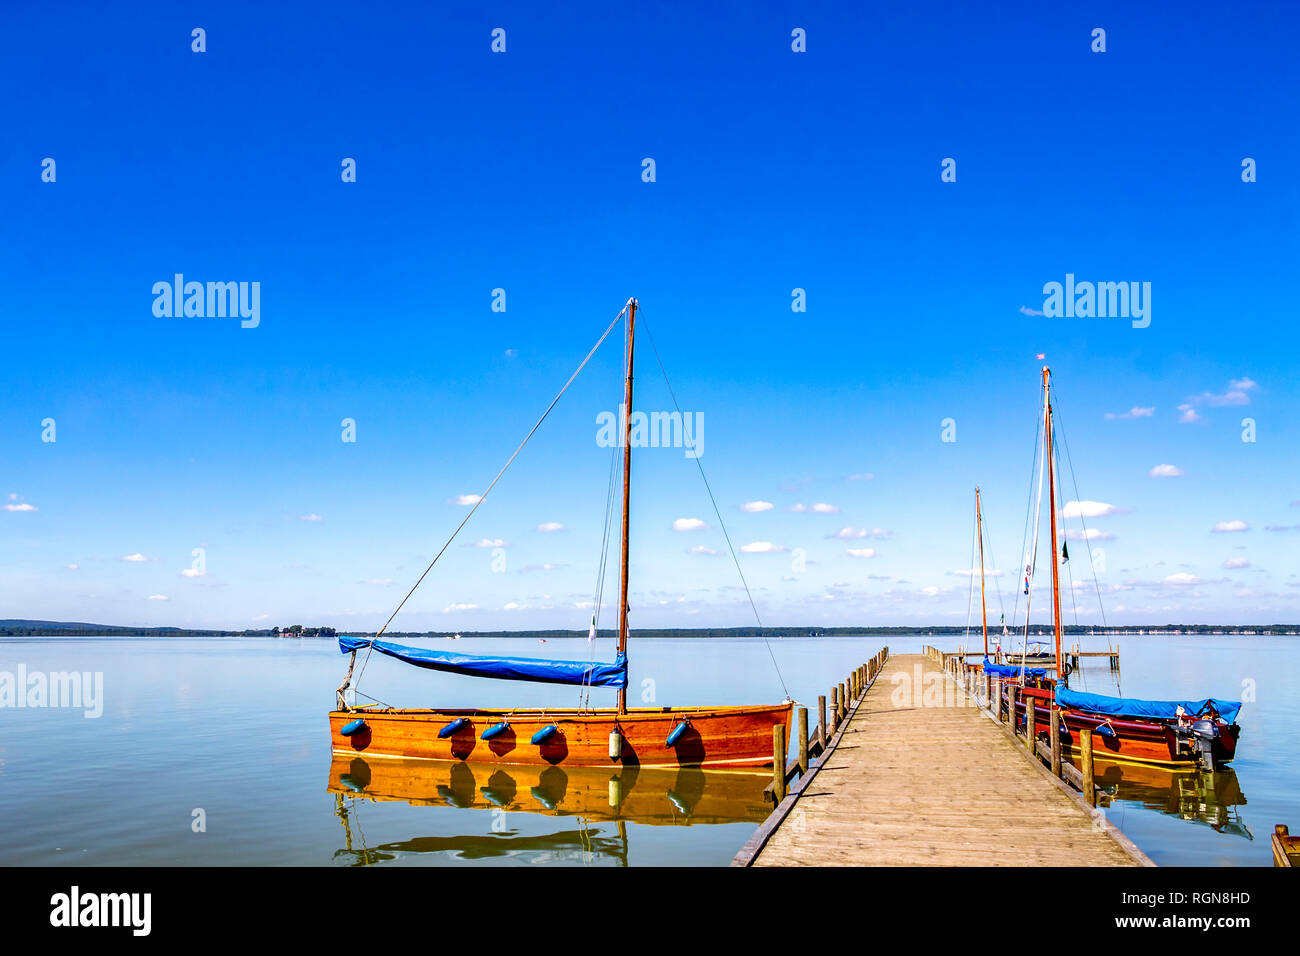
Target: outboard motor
{"type": "Point", "coordinates": [1204, 733]}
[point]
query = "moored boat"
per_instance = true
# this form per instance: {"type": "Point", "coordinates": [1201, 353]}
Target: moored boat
{"type": "Point", "coordinates": [1286, 848]}
{"type": "Point", "coordinates": [1195, 733]}
{"type": "Point", "coordinates": [735, 737]}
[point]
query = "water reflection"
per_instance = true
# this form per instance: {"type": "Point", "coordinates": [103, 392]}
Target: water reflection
{"type": "Point", "coordinates": [1210, 799]}
{"type": "Point", "coordinates": [685, 796]}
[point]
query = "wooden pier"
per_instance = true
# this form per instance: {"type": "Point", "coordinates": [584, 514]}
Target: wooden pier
{"type": "Point", "coordinates": [1071, 655]}
{"type": "Point", "coordinates": [919, 772]}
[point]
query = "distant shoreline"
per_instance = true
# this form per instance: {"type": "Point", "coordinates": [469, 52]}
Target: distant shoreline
{"type": "Point", "coordinates": [56, 629]}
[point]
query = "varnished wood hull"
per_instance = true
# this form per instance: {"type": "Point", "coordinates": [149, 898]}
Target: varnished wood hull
{"type": "Point", "coordinates": [1286, 848]}
{"type": "Point", "coordinates": [721, 737]}
{"type": "Point", "coordinates": [657, 797]}
{"type": "Point", "coordinates": [1150, 742]}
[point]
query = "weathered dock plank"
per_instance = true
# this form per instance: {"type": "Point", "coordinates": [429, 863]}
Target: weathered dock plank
{"type": "Point", "coordinates": [921, 776]}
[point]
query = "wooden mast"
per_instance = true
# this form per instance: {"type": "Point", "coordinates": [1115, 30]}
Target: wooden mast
{"type": "Point", "coordinates": [979, 530]}
{"type": "Point", "coordinates": [1051, 508]}
{"type": "Point", "coordinates": [627, 489]}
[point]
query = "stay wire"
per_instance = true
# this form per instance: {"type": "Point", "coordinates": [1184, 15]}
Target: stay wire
{"type": "Point", "coordinates": [722, 524]}
{"type": "Point", "coordinates": [483, 497]}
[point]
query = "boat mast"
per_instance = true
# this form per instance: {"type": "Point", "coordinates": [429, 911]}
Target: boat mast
{"type": "Point", "coordinates": [1051, 510]}
{"type": "Point", "coordinates": [627, 490]}
{"type": "Point", "coordinates": [979, 530]}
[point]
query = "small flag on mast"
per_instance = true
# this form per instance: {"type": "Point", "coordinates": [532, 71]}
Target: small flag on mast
{"type": "Point", "coordinates": [1065, 552]}
{"type": "Point", "coordinates": [591, 635]}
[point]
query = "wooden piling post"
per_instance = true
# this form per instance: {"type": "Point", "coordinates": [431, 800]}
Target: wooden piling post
{"type": "Point", "coordinates": [1085, 749]}
{"type": "Point", "coordinates": [778, 763]}
{"type": "Point", "coordinates": [1031, 719]}
{"type": "Point", "coordinates": [803, 740]}
{"type": "Point", "coordinates": [822, 736]}
{"type": "Point", "coordinates": [835, 707]}
{"type": "Point", "coordinates": [1011, 706]}
{"type": "Point", "coordinates": [1056, 741]}
{"type": "Point", "coordinates": [988, 690]}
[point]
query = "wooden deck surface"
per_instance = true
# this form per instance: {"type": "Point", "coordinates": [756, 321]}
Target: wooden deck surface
{"type": "Point", "coordinates": [921, 780]}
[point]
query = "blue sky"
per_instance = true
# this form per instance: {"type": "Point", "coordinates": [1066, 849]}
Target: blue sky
{"type": "Point", "coordinates": [775, 170]}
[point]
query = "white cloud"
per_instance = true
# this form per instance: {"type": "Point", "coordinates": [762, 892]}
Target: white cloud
{"type": "Point", "coordinates": [1182, 579]}
{"type": "Point", "coordinates": [193, 573]}
{"type": "Point", "coordinates": [756, 506]}
{"type": "Point", "coordinates": [688, 524]}
{"type": "Point", "coordinates": [848, 534]}
{"type": "Point", "coordinates": [862, 476]}
{"type": "Point", "coordinates": [1236, 525]}
{"type": "Point", "coordinates": [761, 547]}
{"type": "Point", "coordinates": [1091, 534]}
{"type": "Point", "coordinates": [491, 543]}
{"type": "Point", "coordinates": [797, 509]}
{"type": "Point", "coordinates": [24, 506]}
{"type": "Point", "coordinates": [262, 617]}
{"type": "Point", "coordinates": [157, 597]}
{"type": "Point", "coordinates": [1089, 509]}
{"type": "Point", "coordinates": [1165, 471]}
{"type": "Point", "coordinates": [1137, 411]}
{"type": "Point", "coordinates": [822, 508]}
{"type": "Point", "coordinates": [514, 606]}
{"type": "Point", "coordinates": [1235, 395]}
{"type": "Point", "coordinates": [860, 552]}
{"type": "Point", "coordinates": [73, 567]}
{"type": "Point", "coordinates": [379, 582]}
{"type": "Point", "coordinates": [133, 558]}
{"type": "Point", "coordinates": [549, 526]}
{"type": "Point", "coordinates": [971, 572]}
{"type": "Point", "coordinates": [310, 517]}
{"type": "Point", "coordinates": [701, 549]}
{"type": "Point", "coordinates": [459, 607]}
{"type": "Point", "coordinates": [1234, 563]}
{"type": "Point", "coordinates": [465, 500]}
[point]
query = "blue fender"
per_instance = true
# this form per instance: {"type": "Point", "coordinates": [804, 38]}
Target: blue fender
{"type": "Point", "coordinates": [452, 727]}
{"type": "Point", "coordinates": [544, 734]}
{"type": "Point", "coordinates": [677, 733]}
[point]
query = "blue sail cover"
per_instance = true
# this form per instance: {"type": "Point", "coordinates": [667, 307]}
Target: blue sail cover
{"type": "Point", "coordinates": [1012, 670]}
{"type": "Point", "coordinates": [502, 668]}
{"type": "Point", "coordinates": [1133, 707]}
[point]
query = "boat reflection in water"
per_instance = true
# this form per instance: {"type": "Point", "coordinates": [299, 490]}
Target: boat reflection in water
{"type": "Point", "coordinates": [1197, 796]}
{"type": "Point", "coordinates": [687, 796]}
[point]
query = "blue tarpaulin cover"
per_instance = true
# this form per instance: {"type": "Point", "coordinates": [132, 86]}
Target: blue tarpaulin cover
{"type": "Point", "coordinates": [1133, 707]}
{"type": "Point", "coordinates": [502, 668]}
{"type": "Point", "coordinates": [1011, 670]}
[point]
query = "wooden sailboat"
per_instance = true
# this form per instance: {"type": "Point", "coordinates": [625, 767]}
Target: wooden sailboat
{"type": "Point", "coordinates": [725, 737]}
{"type": "Point", "coordinates": [1191, 733]}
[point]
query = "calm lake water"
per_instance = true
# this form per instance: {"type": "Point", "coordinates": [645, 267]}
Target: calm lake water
{"type": "Point", "coordinates": [236, 728]}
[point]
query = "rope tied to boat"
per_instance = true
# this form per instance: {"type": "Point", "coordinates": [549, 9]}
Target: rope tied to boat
{"type": "Point", "coordinates": [483, 497]}
{"type": "Point", "coordinates": [718, 512]}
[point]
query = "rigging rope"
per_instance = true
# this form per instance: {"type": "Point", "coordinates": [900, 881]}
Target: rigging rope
{"type": "Point", "coordinates": [722, 524]}
{"type": "Point", "coordinates": [1086, 539]}
{"type": "Point", "coordinates": [488, 490]}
